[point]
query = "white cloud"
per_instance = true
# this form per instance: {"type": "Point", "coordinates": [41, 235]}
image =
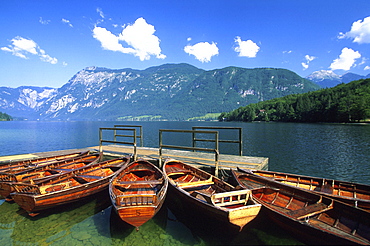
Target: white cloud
{"type": "Point", "coordinates": [202, 51]}
{"type": "Point", "coordinates": [67, 22]}
{"type": "Point", "coordinates": [360, 31]}
{"type": "Point", "coordinates": [367, 68]}
{"type": "Point", "coordinates": [246, 48]}
{"type": "Point", "coordinates": [23, 47]}
{"type": "Point", "coordinates": [109, 41]}
{"type": "Point", "coordinates": [46, 58]}
{"type": "Point", "coordinates": [100, 12]}
{"type": "Point", "coordinates": [44, 22]}
{"type": "Point", "coordinates": [140, 36]}
{"type": "Point", "coordinates": [188, 39]}
{"type": "Point", "coordinates": [346, 59]}
{"type": "Point", "coordinates": [304, 65]}
{"type": "Point", "coordinates": [309, 59]}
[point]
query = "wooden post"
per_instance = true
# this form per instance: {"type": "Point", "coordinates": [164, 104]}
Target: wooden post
{"type": "Point", "coordinates": [216, 154]}
{"type": "Point", "coordinates": [100, 140]}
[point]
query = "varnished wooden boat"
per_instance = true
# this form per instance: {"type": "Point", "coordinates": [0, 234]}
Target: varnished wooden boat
{"type": "Point", "coordinates": [354, 194]}
{"type": "Point", "coordinates": [138, 191]}
{"type": "Point", "coordinates": [32, 163]}
{"type": "Point", "coordinates": [311, 217]}
{"type": "Point", "coordinates": [68, 187]}
{"type": "Point", "coordinates": [43, 172]}
{"type": "Point", "coordinates": [209, 195]}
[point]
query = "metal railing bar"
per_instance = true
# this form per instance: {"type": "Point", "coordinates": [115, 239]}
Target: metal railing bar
{"type": "Point", "coordinates": [239, 141]}
{"type": "Point", "coordinates": [220, 141]}
{"type": "Point", "coordinates": [215, 150]}
{"type": "Point", "coordinates": [187, 148]}
{"type": "Point", "coordinates": [112, 141]}
{"type": "Point", "coordinates": [134, 136]}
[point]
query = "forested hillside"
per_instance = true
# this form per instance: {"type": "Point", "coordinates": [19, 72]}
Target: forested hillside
{"type": "Point", "coordinates": [343, 103]}
{"type": "Point", "coordinates": [5, 117]}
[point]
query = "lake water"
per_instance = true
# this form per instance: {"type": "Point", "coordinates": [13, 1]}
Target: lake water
{"type": "Point", "coordinates": [327, 150]}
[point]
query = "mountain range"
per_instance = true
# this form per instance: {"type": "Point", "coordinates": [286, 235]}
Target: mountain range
{"type": "Point", "coordinates": [166, 92]}
{"type": "Point", "coordinates": [327, 78]}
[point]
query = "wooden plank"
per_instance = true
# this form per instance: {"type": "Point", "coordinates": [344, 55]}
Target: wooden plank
{"type": "Point", "coordinates": [195, 183]}
{"type": "Point", "coordinates": [196, 158]}
{"type": "Point", "coordinates": [17, 157]}
{"type": "Point", "coordinates": [89, 176]}
{"type": "Point", "coordinates": [310, 210]}
{"type": "Point", "coordinates": [139, 182]}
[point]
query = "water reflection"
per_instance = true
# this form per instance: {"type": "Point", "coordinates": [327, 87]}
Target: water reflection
{"type": "Point", "coordinates": [57, 223]}
{"type": "Point", "coordinates": [94, 222]}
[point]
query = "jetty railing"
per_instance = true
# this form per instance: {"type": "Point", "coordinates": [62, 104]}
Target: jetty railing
{"type": "Point", "coordinates": [239, 141]}
{"type": "Point", "coordinates": [214, 150]}
{"type": "Point", "coordinates": [139, 136]}
{"type": "Point", "coordinates": [115, 129]}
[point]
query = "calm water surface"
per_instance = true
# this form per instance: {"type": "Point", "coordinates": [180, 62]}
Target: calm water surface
{"type": "Point", "coordinates": [326, 150]}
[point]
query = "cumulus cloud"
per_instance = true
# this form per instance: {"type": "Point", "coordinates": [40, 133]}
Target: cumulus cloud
{"type": "Point", "coordinates": [309, 59]}
{"type": "Point", "coordinates": [367, 68]}
{"type": "Point", "coordinates": [360, 31]}
{"type": "Point", "coordinates": [346, 59]}
{"type": "Point", "coordinates": [23, 47]}
{"type": "Point", "coordinates": [139, 36]}
{"type": "Point", "coordinates": [246, 48]}
{"type": "Point", "coordinates": [202, 51]}
{"type": "Point", "coordinates": [67, 22]}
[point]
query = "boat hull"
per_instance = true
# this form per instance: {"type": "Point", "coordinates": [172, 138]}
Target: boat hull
{"type": "Point", "coordinates": [44, 172]}
{"type": "Point", "coordinates": [236, 219]}
{"type": "Point", "coordinates": [209, 196]}
{"type": "Point", "coordinates": [354, 194]}
{"type": "Point", "coordinates": [68, 187]}
{"type": "Point", "coordinates": [136, 216]}
{"type": "Point", "coordinates": [32, 203]}
{"type": "Point", "coordinates": [311, 217]}
{"type": "Point", "coordinates": [138, 192]}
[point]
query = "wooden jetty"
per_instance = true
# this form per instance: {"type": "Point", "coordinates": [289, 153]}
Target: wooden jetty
{"type": "Point", "coordinates": [126, 137]}
{"type": "Point", "coordinates": [193, 158]}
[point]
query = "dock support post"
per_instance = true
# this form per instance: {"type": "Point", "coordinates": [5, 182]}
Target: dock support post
{"type": "Point", "coordinates": [135, 145]}
{"type": "Point", "coordinates": [160, 150]}
{"type": "Point", "coordinates": [216, 154]}
{"type": "Point", "coordinates": [100, 141]}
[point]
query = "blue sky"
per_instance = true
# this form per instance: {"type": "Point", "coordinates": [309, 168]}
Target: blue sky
{"type": "Point", "coordinates": [44, 43]}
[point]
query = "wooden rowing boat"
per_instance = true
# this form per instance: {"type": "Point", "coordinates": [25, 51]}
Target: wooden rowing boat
{"type": "Point", "coordinates": [138, 191]}
{"type": "Point", "coordinates": [210, 195]}
{"type": "Point", "coordinates": [354, 194]}
{"type": "Point", "coordinates": [68, 187]}
{"type": "Point", "coordinates": [311, 217]}
{"type": "Point", "coordinates": [43, 172]}
{"type": "Point", "coordinates": [32, 163]}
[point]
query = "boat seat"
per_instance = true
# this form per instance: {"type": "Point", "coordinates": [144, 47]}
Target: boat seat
{"type": "Point", "coordinates": [60, 170]}
{"type": "Point", "coordinates": [89, 176]}
{"type": "Point", "coordinates": [231, 197]}
{"type": "Point", "coordinates": [203, 195]}
{"type": "Point", "coordinates": [138, 182]}
{"type": "Point", "coordinates": [60, 186]}
{"type": "Point", "coordinates": [173, 170]}
{"type": "Point", "coordinates": [309, 210]}
{"type": "Point", "coordinates": [135, 199]}
{"type": "Point", "coordinates": [186, 185]}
